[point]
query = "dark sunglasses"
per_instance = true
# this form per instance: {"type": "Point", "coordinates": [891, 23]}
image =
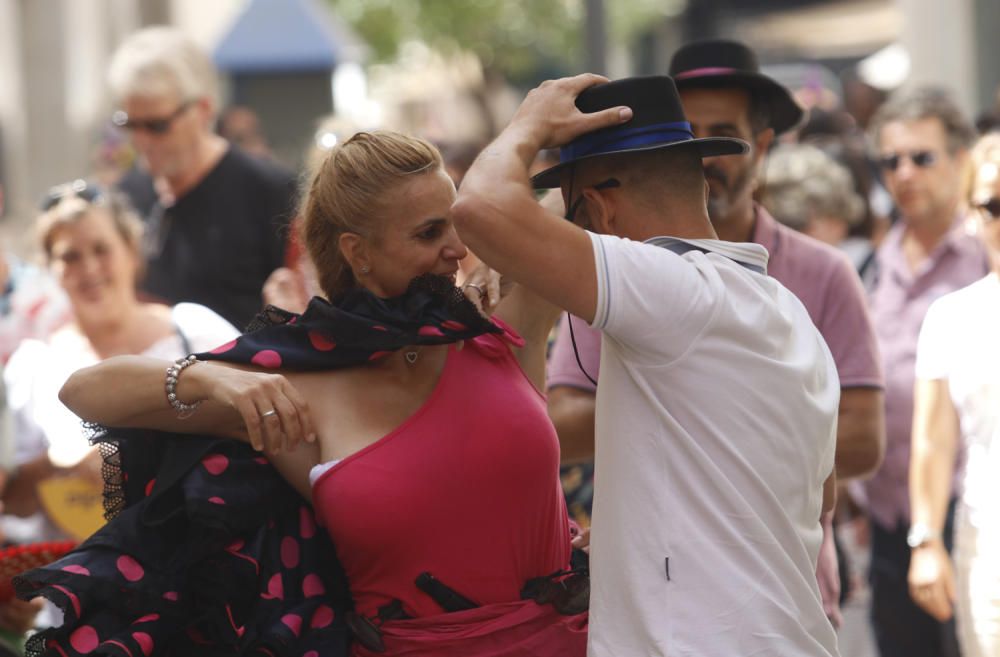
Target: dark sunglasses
{"type": "Point", "coordinates": [154, 126]}
{"type": "Point", "coordinates": [922, 159]}
{"type": "Point", "coordinates": [604, 184]}
{"type": "Point", "coordinates": [79, 188]}
{"type": "Point", "coordinates": [990, 207]}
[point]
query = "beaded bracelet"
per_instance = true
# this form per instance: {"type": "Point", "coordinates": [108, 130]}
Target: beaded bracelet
{"type": "Point", "coordinates": [173, 373]}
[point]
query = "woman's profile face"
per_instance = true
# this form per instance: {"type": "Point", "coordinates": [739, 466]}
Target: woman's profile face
{"type": "Point", "coordinates": [93, 262]}
{"type": "Point", "coordinates": [986, 201]}
{"type": "Point", "coordinates": [416, 235]}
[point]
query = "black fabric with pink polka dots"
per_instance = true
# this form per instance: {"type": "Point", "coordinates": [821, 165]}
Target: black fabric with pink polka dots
{"type": "Point", "coordinates": [212, 554]}
{"type": "Point", "coordinates": [358, 328]}
{"type": "Point", "coordinates": [208, 551]}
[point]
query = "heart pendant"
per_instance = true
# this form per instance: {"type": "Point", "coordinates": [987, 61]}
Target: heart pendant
{"type": "Point", "coordinates": [411, 357]}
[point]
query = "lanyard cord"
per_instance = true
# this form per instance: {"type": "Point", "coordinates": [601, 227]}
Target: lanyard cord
{"type": "Point", "coordinates": [569, 317]}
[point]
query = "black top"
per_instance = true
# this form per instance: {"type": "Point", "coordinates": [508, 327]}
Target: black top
{"type": "Point", "coordinates": [220, 241]}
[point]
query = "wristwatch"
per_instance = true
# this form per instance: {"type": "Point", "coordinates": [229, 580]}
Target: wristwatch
{"type": "Point", "coordinates": [921, 534]}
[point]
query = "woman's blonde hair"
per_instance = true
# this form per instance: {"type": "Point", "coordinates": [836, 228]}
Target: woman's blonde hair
{"type": "Point", "coordinates": [72, 208]}
{"type": "Point", "coordinates": [346, 192]}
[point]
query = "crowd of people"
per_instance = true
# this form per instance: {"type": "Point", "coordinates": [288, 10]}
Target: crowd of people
{"type": "Point", "coordinates": [614, 384]}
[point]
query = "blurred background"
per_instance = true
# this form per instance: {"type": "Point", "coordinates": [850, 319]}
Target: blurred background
{"type": "Point", "coordinates": [450, 70]}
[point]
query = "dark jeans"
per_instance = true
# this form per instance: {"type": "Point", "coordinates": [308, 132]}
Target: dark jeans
{"type": "Point", "coordinates": [902, 629]}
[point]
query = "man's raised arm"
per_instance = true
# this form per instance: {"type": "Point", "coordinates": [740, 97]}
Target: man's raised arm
{"type": "Point", "coordinates": [496, 213]}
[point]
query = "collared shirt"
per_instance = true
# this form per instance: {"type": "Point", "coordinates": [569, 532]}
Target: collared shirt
{"type": "Point", "coordinates": [819, 275]}
{"type": "Point", "coordinates": [708, 511]}
{"type": "Point", "coordinates": [899, 302]}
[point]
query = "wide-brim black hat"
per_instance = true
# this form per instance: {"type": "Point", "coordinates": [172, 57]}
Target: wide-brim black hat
{"type": "Point", "coordinates": [720, 63]}
{"type": "Point", "coordinates": [657, 121]}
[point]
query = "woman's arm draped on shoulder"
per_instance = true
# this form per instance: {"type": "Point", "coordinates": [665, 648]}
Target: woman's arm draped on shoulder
{"type": "Point", "coordinates": [129, 391]}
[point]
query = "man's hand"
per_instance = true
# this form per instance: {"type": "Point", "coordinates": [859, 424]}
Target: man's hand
{"type": "Point", "coordinates": [550, 118]}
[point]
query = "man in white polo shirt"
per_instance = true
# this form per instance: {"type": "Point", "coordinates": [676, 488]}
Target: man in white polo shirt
{"type": "Point", "coordinates": [716, 410]}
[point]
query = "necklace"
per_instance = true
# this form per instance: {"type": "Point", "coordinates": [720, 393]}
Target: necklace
{"type": "Point", "coordinates": [411, 356]}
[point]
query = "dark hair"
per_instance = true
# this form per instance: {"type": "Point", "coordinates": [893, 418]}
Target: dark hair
{"type": "Point", "coordinates": [758, 112]}
{"type": "Point", "coordinates": [926, 103]}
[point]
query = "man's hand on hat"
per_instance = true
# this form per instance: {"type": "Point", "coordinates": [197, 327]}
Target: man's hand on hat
{"type": "Point", "coordinates": [551, 118]}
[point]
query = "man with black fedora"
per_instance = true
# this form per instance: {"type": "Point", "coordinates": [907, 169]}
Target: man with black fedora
{"type": "Point", "coordinates": [724, 93]}
{"type": "Point", "coordinates": [716, 414]}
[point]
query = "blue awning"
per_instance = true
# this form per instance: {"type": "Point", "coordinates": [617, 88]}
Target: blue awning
{"type": "Point", "coordinates": [273, 36]}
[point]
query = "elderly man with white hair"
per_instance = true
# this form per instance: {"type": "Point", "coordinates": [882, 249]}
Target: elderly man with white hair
{"type": "Point", "coordinates": [218, 218]}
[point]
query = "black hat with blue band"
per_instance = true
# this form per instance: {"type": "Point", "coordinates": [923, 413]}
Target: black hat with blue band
{"type": "Point", "coordinates": [658, 121]}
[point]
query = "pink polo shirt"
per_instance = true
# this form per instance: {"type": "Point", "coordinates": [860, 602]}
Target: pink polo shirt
{"type": "Point", "coordinates": [899, 302]}
{"type": "Point", "coordinates": [819, 275]}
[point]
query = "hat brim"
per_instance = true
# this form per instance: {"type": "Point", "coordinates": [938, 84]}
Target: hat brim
{"type": "Point", "coordinates": [706, 147]}
{"type": "Point", "coordinates": [785, 112]}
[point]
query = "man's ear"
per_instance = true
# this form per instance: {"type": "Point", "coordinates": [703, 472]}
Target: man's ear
{"type": "Point", "coordinates": [354, 249]}
{"type": "Point", "coordinates": [600, 212]}
{"type": "Point", "coordinates": [207, 111]}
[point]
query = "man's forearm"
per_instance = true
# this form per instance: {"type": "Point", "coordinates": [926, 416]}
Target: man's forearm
{"type": "Point", "coordinates": [860, 432]}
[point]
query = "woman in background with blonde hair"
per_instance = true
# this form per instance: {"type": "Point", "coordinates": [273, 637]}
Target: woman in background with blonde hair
{"type": "Point", "coordinates": [957, 403]}
{"type": "Point", "coordinates": [91, 241]}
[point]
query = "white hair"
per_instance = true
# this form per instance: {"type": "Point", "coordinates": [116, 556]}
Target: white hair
{"type": "Point", "coordinates": [802, 181]}
{"type": "Point", "coordinates": [162, 60]}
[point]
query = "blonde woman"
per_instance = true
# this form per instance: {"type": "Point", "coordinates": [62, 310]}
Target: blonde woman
{"type": "Point", "coordinates": [416, 427]}
{"type": "Point", "coordinates": [91, 242]}
{"type": "Point", "coordinates": [958, 405]}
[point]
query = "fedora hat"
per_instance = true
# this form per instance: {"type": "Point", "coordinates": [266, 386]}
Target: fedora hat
{"type": "Point", "coordinates": [721, 63]}
{"type": "Point", "coordinates": [657, 122]}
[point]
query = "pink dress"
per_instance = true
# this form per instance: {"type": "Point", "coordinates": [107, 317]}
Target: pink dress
{"type": "Point", "coordinates": [466, 489]}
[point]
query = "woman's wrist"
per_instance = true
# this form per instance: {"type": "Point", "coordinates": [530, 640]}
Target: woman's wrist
{"type": "Point", "coordinates": [181, 398]}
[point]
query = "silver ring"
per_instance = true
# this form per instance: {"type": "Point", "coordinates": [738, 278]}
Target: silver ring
{"type": "Point", "coordinates": [269, 413]}
{"type": "Point", "coordinates": [477, 288]}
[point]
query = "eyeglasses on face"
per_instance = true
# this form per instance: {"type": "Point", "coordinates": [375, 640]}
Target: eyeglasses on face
{"type": "Point", "coordinates": [990, 208]}
{"type": "Point", "coordinates": [79, 188]}
{"type": "Point", "coordinates": [158, 126]}
{"type": "Point", "coordinates": [921, 159]}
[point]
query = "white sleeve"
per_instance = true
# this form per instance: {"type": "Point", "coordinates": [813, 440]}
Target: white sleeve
{"type": "Point", "coordinates": [203, 328]}
{"type": "Point", "coordinates": [649, 299]}
{"type": "Point", "coordinates": [38, 417]}
{"type": "Point", "coordinates": [937, 335]}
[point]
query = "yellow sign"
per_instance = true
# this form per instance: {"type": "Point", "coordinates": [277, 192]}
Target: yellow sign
{"type": "Point", "coordinates": [73, 504]}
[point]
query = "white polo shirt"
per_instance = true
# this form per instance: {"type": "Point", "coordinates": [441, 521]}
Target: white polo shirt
{"type": "Point", "coordinates": [716, 428]}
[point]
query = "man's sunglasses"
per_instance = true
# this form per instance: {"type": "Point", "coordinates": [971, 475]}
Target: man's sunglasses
{"type": "Point", "coordinates": [153, 126]}
{"type": "Point", "coordinates": [78, 188]}
{"type": "Point", "coordinates": [922, 159]}
{"type": "Point", "coordinates": [989, 207]}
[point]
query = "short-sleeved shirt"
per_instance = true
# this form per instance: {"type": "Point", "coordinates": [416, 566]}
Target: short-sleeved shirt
{"type": "Point", "coordinates": [819, 275]}
{"type": "Point", "coordinates": [716, 423]}
{"type": "Point", "coordinates": [42, 423]}
{"type": "Point", "coordinates": [899, 303]}
{"type": "Point", "coordinates": [218, 243]}
{"type": "Point", "coordinates": [959, 344]}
